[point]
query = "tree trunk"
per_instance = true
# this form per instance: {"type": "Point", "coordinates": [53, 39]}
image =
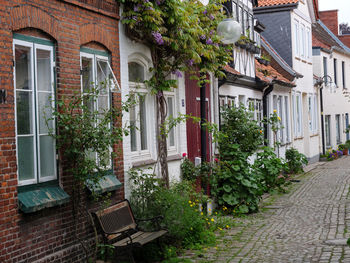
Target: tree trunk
{"type": "Point", "coordinates": [162, 137]}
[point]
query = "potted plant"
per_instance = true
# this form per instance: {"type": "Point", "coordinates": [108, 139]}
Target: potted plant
{"type": "Point", "coordinates": [266, 59]}
{"type": "Point", "coordinates": [344, 148]}
{"type": "Point", "coordinates": [257, 50]}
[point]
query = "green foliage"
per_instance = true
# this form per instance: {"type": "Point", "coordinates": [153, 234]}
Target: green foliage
{"type": "Point", "coordinates": [188, 170]}
{"type": "Point", "coordinates": [181, 35]}
{"type": "Point", "coordinates": [275, 124]}
{"type": "Point", "coordinates": [233, 184]}
{"type": "Point", "coordinates": [269, 168]}
{"type": "Point", "coordinates": [179, 205]}
{"type": "Point", "coordinates": [295, 161]}
{"type": "Point", "coordinates": [84, 134]}
{"type": "Point", "coordinates": [342, 147]}
{"type": "Point", "coordinates": [238, 127]}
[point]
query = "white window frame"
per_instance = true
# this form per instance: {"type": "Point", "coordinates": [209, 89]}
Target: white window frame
{"type": "Point", "coordinates": [297, 116]}
{"type": "Point", "coordinates": [296, 39]}
{"type": "Point", "coordinates": [172, 149]}
{"type": "Point", "coordinates": [257, 112]}
{"type": "Point", "coordinates": [302, 41]}
{"type": "Point", "coordinates": [287, 119]}
{"type": "Point", "coordinates": [36, 131]}
{"type": "Point", "coordinates": [94, 58]}
{"type": "Point", "coordinates": [139, 89]}
{"type": "Point", "coordinates": [309, 43]}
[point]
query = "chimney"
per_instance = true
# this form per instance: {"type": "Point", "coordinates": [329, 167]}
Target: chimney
{"type": "Point", "coordinates": [330, 19]}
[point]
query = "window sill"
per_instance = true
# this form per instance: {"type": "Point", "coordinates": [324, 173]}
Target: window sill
{"type": "Point", "coordinates": [174, 157]}
{"type": "Point", "coordinates": [107, 183]}
{"type": "Point", "coordinates": [298, 138]}
{"type": "Point", "coordinates": [143, 163]}
{"type": "Point", "coordinates": [314, 135]}
{"type": "Point", "coordinates": [41, 196]}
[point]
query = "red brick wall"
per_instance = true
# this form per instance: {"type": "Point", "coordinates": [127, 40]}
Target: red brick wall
{"type": "Point", "coordinates": [345, 39]}
{"type": "Point", "coordinates": [330, 19]}
{"type": "Point", "coordinates": [46, 236]}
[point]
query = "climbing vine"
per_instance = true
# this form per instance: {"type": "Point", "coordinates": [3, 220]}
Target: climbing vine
{"type": "Point", "coordinates": [181, 35]}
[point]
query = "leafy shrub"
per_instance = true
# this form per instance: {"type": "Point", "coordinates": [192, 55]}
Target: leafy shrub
{"type": "Point", "coordinates": [295, 161]}
{"type": "Point", "coordinates": [233, 184]}
{"type": "Point", "coordinates": [188, 170]}
{"type": "Point", "coordinates": [238, 127]}
{"type": "Point", "coordinates": [269, 169]}
{"type": "Point", "coordinates": [179, 206]}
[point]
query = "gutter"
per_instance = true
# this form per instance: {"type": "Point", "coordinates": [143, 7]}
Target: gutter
{"type": "Point", "coordinates": [275, 8]}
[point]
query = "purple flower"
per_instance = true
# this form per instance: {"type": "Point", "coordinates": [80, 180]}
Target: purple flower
{"type": "Point", "coordinates": [211, 17]}
{"type": "Point", "coordinates": [158, 38]}
{"type": "Point", "coordinates": [134, 18]}
{"type": "Point", "coordinates": [190, 62]}
{"type": "Point", "coordinates": [158, 2]}
{"type": "Point", "coordinates": [178, 73]}
{"type": "Point", "coordinates": [211, 32]}
{"type": "Point", "coordinates": [205, 12]}
{"type": "Point", "coordinates": [137, 8]}
{"type": "Point", "coordinates": [149, 8]}
{"type": "Point", "coordinates": [202, 37]}
{"type": "Point", "coordinates": [209, 41]}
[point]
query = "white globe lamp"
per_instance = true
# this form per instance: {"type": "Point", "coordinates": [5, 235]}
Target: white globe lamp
{"type": "Point", "coordinates": [229, 30]}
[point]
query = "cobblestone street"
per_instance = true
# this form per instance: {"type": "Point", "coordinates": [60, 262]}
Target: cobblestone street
{"type": "Point", "coordinates": [310, 224]}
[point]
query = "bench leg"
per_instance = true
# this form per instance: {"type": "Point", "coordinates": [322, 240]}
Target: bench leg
{"type": "Point", "coordinates": [131, 257]}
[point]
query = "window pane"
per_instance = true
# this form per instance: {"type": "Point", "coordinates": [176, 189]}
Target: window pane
{"type": "Point", "coordinates": [133, 129]}
{"type": "Point", "coordinates": [25, 147]}
{"type": "Point", "coordinates": [102, 75]}
{"type": "Point", "coordinates": [171, 114]}
{"type": "Point", "coordinates": [43, 63]}
{"type": "Point", "coordinates": [136, 72]}
{"type": "Point", "coordinates": [103, 104]}
{"type": "Point", "coordinates": [328, 130]}
{"type": "Point", "coordinates": [23, 67]}
{"type": "Point", "coordinates": [45, 112]}
{"type": "Point", "coordinates": [47, 156]}
{"type": "Point", "coordinates": [24, 108]}
{"type": "Point", "coordinates": [87, 74]}
{"type": "Point", "coordinates": [143, 125]}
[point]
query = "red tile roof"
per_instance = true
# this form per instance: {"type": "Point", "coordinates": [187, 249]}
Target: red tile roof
{"type": "Point", "coordinates": [269, 74]}
{"type": "Point", "coordinates": [231, 70]}
{"type": "Point", "coordinates": [276, 2]}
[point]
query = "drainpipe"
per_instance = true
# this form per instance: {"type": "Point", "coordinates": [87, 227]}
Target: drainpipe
{"type": "Point", "coordinates": [266, 92]}
{"type": "Point", "coordinates": [203, 128]}
{"type": "Point", "coordinates": [322, 121]}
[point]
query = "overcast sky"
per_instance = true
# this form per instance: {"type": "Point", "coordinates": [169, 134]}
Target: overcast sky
{"type": "Point", "coordinates": [342, 5]}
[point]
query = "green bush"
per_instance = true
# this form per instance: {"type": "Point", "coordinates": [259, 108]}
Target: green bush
{"type": "Point", "coordinates": [188, 170]}
{"type": "Point", "coordinates": [295, 161]}
{"type": "Point", "coordinates": [233, 184]}
{"type": "Point", "coordinates": [238, 127]}
{"type": "Point", "coordinates": [179, 206]}
{"type": "Point", "coordinates": [269, 168]}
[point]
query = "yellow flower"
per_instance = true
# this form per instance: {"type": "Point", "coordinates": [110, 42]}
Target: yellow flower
{"type": "Point", "coordinates": [261, 131]}
{"type": "Point", "coordinates": [227, 226]}
{"type": "Point", "coordinates": [274, 111]}
{"type": "Point", "coordinates": [220, 228]}
{"type": "Point", "coordinates": [191, 228]}
{"type": "Point", "coordinates": [209, 209]}
{"type": "Point", "coordinates": [201, 213]}
{"type": "Point", "coordinates": [212, 220]}
{"type": "Point", "coordinates": [216, 213]}
{"type": "Point", "coordinates": [189, 202]}
{"type": "Point", "coordinates": [208, 223]}
{"type": "Point", "coordinates": [278, 117]}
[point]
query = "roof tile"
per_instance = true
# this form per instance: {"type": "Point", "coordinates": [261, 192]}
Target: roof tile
{"type": "Point", "coordinates": [276, 2]}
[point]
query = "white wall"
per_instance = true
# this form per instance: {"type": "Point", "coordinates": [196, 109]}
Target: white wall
{"type": "Point", "coordinates": [131, 50]}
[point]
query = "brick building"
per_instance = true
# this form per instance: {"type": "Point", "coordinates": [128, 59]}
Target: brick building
{"type": "Point", "coordinates": [45, 46]}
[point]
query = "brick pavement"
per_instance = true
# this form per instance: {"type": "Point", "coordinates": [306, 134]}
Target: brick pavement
{"type": "Point", "coordinates": [302, 226]}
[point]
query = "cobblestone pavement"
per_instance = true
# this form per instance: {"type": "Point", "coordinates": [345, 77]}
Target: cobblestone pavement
{"type": "Point", "coordinates": [310, 224]}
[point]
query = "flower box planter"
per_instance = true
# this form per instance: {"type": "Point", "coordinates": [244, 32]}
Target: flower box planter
{"type": "Point", "coordinates": [256, 50]}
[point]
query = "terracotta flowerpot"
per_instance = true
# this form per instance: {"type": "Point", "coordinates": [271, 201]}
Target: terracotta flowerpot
{"type": "Point", "coordinates": [345, 151]}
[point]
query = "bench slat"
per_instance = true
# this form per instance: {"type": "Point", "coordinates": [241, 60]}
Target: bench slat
{"type": "Point", "coordinates": [140, 238]}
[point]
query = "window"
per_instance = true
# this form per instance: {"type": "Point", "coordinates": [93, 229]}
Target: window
{"type": "Point", "coordinates": [335, 72]}
{"type": "Point", "coordinates": [328, 130]}
{"type": "Point", "coordinates": [251, 27]}
{"type": "Point", "coordinates": [171, 113]}
{"type": "Point", "coordinates": [312, 106]}
{"type": "Point", "coordinates": [138, 113]}
{"type": "Point", "coordinates": [234, 11]}
{"type": "Point", "coordinates": [343, 74]}
{"type": "Point", "coordinates": [96, 73]}
{"type": "Point", "coordinates": [287, 118]}
{"type": "Point", "coordinates": [325, 69]}
{"type": "Point", "coordinates": [296, 39]}
{"type": "Point", "coordinates": [302, 44]}
{"type": "Point", "coordinates": [255, 106]}
{"type": "Point", "coordinates": [297, 114]}
{"type": "Point", "coordinates": [239, 15]}
{"type": "Point", "coordinates": [34, 96]}
{"type": "Point", "coordinates": [337, 128]}
{"type": "Point", "coordinates": [309, 43]}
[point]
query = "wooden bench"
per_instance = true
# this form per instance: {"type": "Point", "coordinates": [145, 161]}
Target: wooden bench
{"type": "Point", "coordinates": [120, 229]}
